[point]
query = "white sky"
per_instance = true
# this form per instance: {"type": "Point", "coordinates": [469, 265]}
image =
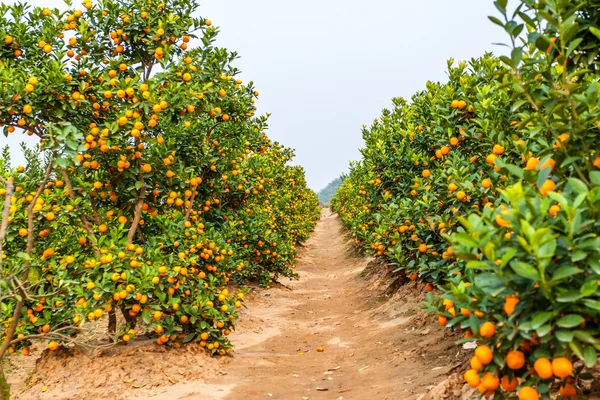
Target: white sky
{"type": "Point", "coordinates": [326, 67]}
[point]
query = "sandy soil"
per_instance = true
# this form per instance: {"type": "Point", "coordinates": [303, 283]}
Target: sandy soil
{"type": "Point", "coordinates": [377, 344]}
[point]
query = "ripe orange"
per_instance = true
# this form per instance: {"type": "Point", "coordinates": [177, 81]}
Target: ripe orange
{"type": "Point", "coordinates": [490, 381]}
{"type": "Point", "coordinates": [528, 393]}
{"type": "Point", "coordinates": [442, 320]}
{"type": "Point", "coordinates": [532, 164]}
{"type": "Point", "coordinates": [472, 378]}
{"type": "Point", "coordinates": [320, 349]}
{"type": "Point", "coordinates": [476, 364]}
{"type": "Point", "coordinates": [487, 330]}
{"type": "Point", "coordinates": [510, 304]}
{"type": "Point", "coordinates": [543, 368]}
{"type": "Point", "coordinates": [461, 195]}
{"type": "Point", "coordinates": [547, 187]}
{"type": "Point", "coordinates": [498, 149]}
{"type": "Point", "coordinates": [562, 367]}
{"type": "Point", "coordinates": [515, 359]}
{"type": "Point", "coordinates": [568, 390]}
{"type": "Point", "coordinates": [52, 345]}
{"type": "Point", "coordinates": [509, 384]}
{"type": "Point", "coordinates": [486, 183]}
{"type": "Point", "coordinates": [484, 354]}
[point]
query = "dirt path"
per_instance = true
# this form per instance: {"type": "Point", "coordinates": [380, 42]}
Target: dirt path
{"type": "Point", "coordinates": [374, 349]}
{"type": "Point", "coordinates": [378, 344]}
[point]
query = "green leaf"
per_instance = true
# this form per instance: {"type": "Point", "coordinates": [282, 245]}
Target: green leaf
{"type": "Point", "coordinates": [569, 297]}
{"type": "Point", "coordinates": [589, 356]}
{"type": "Point", "coordinates": [564, 336]}
{"type": "Point", "coordinates": [564, 272]}
{"type": "Point", "coordinates": [525, 270]}
{"type": "Point", "coordinates": [577, 349]}
{"type": "Point", "coordinates": [138, 185]}
{"type": "Point", "coordinates": [570, 321]}
{"type": "Point", "coordinates": [595, 31]}
{"type": "Point", "coordinates": [589, 287]}
{"type": "Point", "coordinates": [577, 185]}
{"type": "Point", "coordinates": [543, 330]}
{"type": "Point", "coordinates": [540, 318]}
{"type": "Point", "coordinates": [595, 177]}
{"type": "Point", "coordinates": [189, 337]}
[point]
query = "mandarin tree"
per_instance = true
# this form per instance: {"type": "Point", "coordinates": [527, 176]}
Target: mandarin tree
{"type": "Point", "coordinates": [154, 184]}
{"type": "Point", "coordinates": [488, 185]}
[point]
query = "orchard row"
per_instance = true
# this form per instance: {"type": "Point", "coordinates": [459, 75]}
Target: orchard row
{"type": "Point", "coordinates": [487, 188]}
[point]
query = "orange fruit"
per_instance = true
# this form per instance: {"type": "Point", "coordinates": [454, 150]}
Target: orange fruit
{"type": "Point", "coordinates": [476, 364]}
{"type": "Point", "coordinates": [515, 359]}
{"type": "Point", "coordinates": [490, 381]}
{"type": "Point", "coordinates": [461, 195]}
{"type": "Point", "coordinates": [547, 187]}
{"type": "Point", "coordinates": [509, 384]}
{"type": "Point", "coordinates": [320, 349]}
{"type": "Point", "coordinates": [487, 330]}
{"type": "Point", "coordinates": [543, 367]}
{"type": "Point", "coordinates": [548, 163]}
{"type": "Point", "coordinates": [426, 173]}
{"type": "Point", "coordinates": [472, 378]}
{"type": "Point", "coordinates": [484, 354]}
{"type": "Point", "coordinates": [486, 183]}
{"type": "Point", "coordinates": [568, 390]}
{"type": "Point", "coordinates": [52, 345]}
{"type": "Point", "coordinates": [498, 149]}
{"type": "Point", "coordinates": [510, 304]}
{"type": "Point", "coordinates": [442, 320]}
{"type": "Point", "coordinates": [528, 393]}
{"type": "Point", "coordinates": [532, 164]}
{"type": "Point", "coordinates": [562, 367]}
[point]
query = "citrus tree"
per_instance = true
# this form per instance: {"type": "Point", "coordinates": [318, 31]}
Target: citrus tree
{"type": "Point", "coordinates": [154, 184]}
{"type": "Point", "coordinates": [487, 186]}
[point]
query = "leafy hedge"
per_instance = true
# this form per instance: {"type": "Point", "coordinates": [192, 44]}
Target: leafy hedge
{"type": "Point", "coordinates": [488, 186]}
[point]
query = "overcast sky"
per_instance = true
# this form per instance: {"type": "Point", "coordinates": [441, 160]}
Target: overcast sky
{"type": "Point", "coordinates": [326, 67]}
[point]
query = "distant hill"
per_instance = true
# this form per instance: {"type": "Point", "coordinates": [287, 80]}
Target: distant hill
{"type": "Point", "coordinates": [328, 191]}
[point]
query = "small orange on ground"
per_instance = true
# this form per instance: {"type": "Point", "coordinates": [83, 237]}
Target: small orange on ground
{"type": "Point", "coordinates": [52, 345]}
{"type": "Point", "coordinates": [320, 349]}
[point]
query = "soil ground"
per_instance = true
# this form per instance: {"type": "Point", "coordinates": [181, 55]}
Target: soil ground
{"type": "Point", "coordinates": [377, 344]}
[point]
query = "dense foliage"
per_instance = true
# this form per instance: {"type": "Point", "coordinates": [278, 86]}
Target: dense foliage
{"type": "Point", "coordinates": [488, 186]}
{"type": "Point", "coordinates": [154, 184]}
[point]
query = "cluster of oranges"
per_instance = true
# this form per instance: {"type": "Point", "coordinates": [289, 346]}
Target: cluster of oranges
{"type": "Point", "coordinates": [160, 186]}
{"type": "Point", "coordinates": [459, 193]}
